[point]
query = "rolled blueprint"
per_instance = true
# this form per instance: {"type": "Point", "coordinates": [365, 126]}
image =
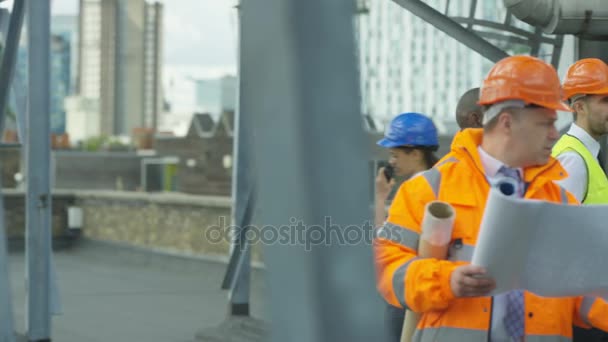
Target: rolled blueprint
{"type": "Point", "coordinates": [437, 225]}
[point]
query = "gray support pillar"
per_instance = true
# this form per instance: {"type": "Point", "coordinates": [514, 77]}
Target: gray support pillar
{"type": "Point", "coordinates": [312, 169]}
{"type": "Point", "coordinates": [38, 200]}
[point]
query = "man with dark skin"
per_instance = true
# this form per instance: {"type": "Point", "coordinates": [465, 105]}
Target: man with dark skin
{"type": "Point", "coordinates": [468, 113]}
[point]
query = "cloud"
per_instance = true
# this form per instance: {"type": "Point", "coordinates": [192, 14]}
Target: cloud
{"type": "Point", "coordinates": [64, 6]}
{"type": "Point", "coordinates": [197, 32]}
{"type": "Point", "coordinates": [200, 32]}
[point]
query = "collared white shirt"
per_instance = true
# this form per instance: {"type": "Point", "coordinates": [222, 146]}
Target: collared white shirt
{"type": "Point", "coordinates": [491, 166]}
{"type": "Point", "coordinates": [498, 333]}
{"type": "Point", "coordinates": [574, 164]}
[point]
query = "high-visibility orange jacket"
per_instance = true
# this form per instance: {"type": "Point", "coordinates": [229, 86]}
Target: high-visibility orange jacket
{"type": "Point", "coordinates": [423, 285]}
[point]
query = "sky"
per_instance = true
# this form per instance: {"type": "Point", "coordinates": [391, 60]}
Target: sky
{"type": "Point", "coordinates": [198, 33]}
{"type": "Point", "coordinates": [199, 43]}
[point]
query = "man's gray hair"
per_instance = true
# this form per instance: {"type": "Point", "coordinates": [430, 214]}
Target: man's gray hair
{"type": "Point", "coordinates": [498, 107]}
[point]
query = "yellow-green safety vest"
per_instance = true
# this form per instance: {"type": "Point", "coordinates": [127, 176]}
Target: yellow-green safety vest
{"type": "Point", "coordinates": [597, 182]}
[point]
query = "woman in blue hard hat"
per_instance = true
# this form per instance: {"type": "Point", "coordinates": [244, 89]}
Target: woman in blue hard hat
{"type": "Point", "coordinates": [412, 142]}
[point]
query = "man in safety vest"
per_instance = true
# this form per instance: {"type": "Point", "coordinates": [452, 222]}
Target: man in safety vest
{"type": "Point", "coordinates": [520, 96]}
{"type": "Point", "coordinates": [586, 88]}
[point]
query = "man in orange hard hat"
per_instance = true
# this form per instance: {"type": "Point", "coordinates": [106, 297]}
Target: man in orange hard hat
{"type": "Point", "coordinates": [586, 87]}
{"type": "Point", "coordinates": [520, 96]}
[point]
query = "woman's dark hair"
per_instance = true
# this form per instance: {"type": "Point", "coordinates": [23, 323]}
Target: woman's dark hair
{"type": "Point", "coordinates": [428, 153]}
{"type": "Point", "coordinates": [429, 158]}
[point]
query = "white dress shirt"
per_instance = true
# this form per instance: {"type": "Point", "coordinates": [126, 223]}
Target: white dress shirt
{"type": "Point", "coordinates": [498, 333]}
{"type": "Point", "coordinates": [576, 182]}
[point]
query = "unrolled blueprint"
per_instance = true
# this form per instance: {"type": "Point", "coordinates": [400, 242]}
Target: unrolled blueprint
{"type": "Point", "coordinates": [549, 249]}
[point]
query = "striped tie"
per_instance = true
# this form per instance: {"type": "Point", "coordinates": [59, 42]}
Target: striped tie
{"type": "Point", "coordinates": [514, 318]}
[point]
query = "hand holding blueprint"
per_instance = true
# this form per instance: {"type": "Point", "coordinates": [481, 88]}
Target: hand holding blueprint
{"type": "Point", "coordinates": [549, 249]}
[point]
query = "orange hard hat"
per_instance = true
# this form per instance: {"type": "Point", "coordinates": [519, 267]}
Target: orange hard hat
{"type": "Point", "coordinates": [587, 76]}
{"type": "Point", "coordinates": [524, 78]}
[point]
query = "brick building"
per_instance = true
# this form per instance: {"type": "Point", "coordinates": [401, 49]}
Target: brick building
{"type": "Point", "coordinates": [203, 154]}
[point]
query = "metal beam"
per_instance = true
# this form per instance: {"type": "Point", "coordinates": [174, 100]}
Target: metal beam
{"type": "Point", "coordinates": [19, 102]}
{"type": "Point", "coordinates": [9, 56]}
{"type": "Point", "coordinates": [501, 27]}
{"type": "Point", "coordinates": [530, 39]}
{"type": "Point", "coordinates": [503, 37]}
{"type": "Point", "coordinates": [453, 29]}
{"type": "Point", "coordinates": [237, 278]}
{"type": "Point", "coordinates": [535, 41]}
{"type": "Point", "coordinates": [38, 200]}
{"type": "Point", "coordinates": [305, 110]}
{"type": "Point", "coordinates": [7, 328]}
{"type": "Point", "coordinates": [242, 223]}
{"type": "Point", "coordinates": [557, 51]}
{"type": "Point", "coordinates": [235, 259]}
{"type": "Point", "coordinates": [508, 16]}
{"type": "Point", "coordinates": [7, 323]}
{"type": "Point", "coordinates": [240, 288]}
{"type": "Point", "coordinates": [472, 10]}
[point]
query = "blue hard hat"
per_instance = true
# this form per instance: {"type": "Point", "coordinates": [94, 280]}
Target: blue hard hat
{"type": "Point", "coordinates": [410, 129]}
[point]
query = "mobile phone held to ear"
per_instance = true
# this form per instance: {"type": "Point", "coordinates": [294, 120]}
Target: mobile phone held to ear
{"type": "Point", "coordinates": [389, 172]}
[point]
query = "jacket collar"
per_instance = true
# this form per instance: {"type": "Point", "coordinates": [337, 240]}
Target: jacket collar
{"type": "Point", "coordinates": [466, 142]}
